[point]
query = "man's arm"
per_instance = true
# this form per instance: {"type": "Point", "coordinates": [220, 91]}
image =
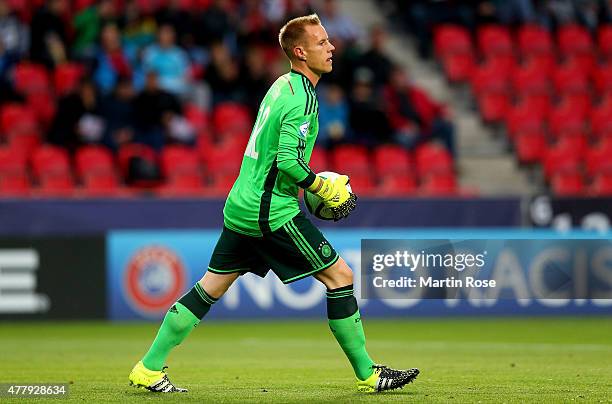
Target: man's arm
{"type": "Point", "coordinates": [290, 160]}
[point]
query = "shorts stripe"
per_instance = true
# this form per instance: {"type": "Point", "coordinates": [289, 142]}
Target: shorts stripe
{"type": "Point", "coordinates": [308, 246]}
{"type": "Point", "coordinates": [295, 278]}
{"type": "Point", "coordinates": [227, 271]}
{"type": "Point", "coordinates": [300, 245]}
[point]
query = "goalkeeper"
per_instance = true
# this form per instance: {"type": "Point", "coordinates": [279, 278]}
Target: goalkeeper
{"type": "Point", "coordinates": [264, 228]}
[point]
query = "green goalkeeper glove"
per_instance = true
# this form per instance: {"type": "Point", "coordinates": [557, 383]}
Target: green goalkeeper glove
{"type": "Point", "coordinates": [335, 196]}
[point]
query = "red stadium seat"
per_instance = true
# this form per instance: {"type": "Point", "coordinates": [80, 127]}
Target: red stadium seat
{"type": "Point", "coordinates": [179, 160]}
{"type": "Point", "coordinates": [66, 78]}
{"type": "Point", "coordinates": [396, 185]}
{"type": "Point", "coordinates": [574, 39]}
{"type": "Point", "coordinates": [458, 67]}
{"type": "Point", "coordinates": [525, 117]}
{"type": "Point", "coordinates": [318, 159]}
{"type": "Point", "coordinates": [598, 159]}
{"type": "Point", "coordinates": [43, 106]}
{"type": "Point", "coordinates": [17, 118]}
{"type": "Point", "coordinates": [14, 179]}
{"type": "Point", "coordinates": [50, 159]}
{"type": "Point", "coordinates": [51, 167]}
{"type": "Point", "coordinates": [100, 184]}
{"type": "Point", "coordinates": [569, 183]}
{"type": "Point", "coordinates": [230, 119]}
{"type": "Point", "coordinates": [602, 79]}
{"type": "Point", "coordinates": [94, 159]}
{"type": "Point", "coordinates": [439, 184]}
{"type": "Point", "coordinates": [221, 183]}
{"type": "Point", "coordinates": [25, 142]}
{"type": "Point", "coordinates": [538, 103]}
{"type": "Point", "coordinates": [534, 40]}
{"type": "Point", "coordinates": [493, 39]}
{"type": "Point", "coordinates": [601, 120]}
{"type": "Point", "coordinates": [223, 159]}
{"type": "Point", "coordinates": [532, 79]}
{"type": "Point", "coordinates": [55, 185]}
{"type": "Point", "coordinates": [350, 160]}
{"type": "Point", "coordinates": [566, 118]}
{"type": "Point", "coordinates": [604, 41]}
{"type": "Point", "coordinates": [197, 117]}
{"type": "Point", "coordinates": [570, 78]}
{"type": "Point", "coordinates": [432, 158]}
{"type": "Point", "coordinates": [392, 160]}
{"type": "Point", "coordinates": [451, 39]}
{"type": "Point", "coordinates": [559, 159]}
{"type": "Point", "coordinates": [493, 106]}
{"type": "Point", "coordinates": [31, 78]}
{"type": "Point", "coordinates": [601, 185]}
{"type": "Point", "coordinates": [12, 161]}
{"type": "Point", "coordinates": [490, 77]}
{"type": "Point", "coordinates": [530, 147]}
{"type": "Point", "coordinates": [362, 184]}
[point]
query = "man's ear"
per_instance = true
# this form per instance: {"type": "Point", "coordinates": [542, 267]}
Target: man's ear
{"type": "Point", "coordinates": [299, 53]}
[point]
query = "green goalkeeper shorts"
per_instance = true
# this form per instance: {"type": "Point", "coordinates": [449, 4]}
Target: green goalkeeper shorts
{"type": "Point", "coordinates": [294, 251]}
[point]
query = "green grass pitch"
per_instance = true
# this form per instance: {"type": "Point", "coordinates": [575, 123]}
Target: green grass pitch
{"type": "Point", "coordinates": [545, 360]}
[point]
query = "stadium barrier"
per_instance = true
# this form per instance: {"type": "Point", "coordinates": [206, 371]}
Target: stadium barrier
{"type": "Point", "coordinates": [136, 266]}
{"type": "Point", "coordinates": [52, 278]}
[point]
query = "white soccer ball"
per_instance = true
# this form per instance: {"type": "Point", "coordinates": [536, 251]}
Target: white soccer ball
{"type": "Point", "coordinates": [315, 204]}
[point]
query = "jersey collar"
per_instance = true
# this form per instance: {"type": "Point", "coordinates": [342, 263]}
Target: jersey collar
{"type": "Point", "coordinates": [307, 79]}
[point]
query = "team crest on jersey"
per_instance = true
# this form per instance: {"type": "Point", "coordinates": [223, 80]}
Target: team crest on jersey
{"type": "Point", "coordinates": [304, 128]}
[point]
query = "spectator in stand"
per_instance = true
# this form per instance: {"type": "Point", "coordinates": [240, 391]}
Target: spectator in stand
{"type": "Point", "coordinates": [118, 112]}
{"type": "Point", "coordinates": [375, 58]}
{"type": "Point", "coordinates": [158, 116]}
{"type": "Point", "coordinates": [333, 117]}
{"type": "Point", "coordinates": [138, 31]}
{"type": "Point", "coordinates": [336, 24]}
{"type": "Point", "coordinates": [79, 118]}
{"type": "Point", "coordinates": [14, 39]}
{"type": "Point", "coordinates": [87, 26]}
{"type": "Point", "coordinates": [554, 13]}
{"type": "Point", "coordinates": [215, 24]}
{"type": "Point", "coordinates": [253, 25]}
{"type": "Point", "coordinates": [515, 11]}
{"type": "Point", "coordinates": [414, 117]}
{"type": "Point", "coordinates": [180, 19]}
{"type": "Point", "coordinates": [367, 118]}
{"type": "Point", "coordinates": [111, 61]}
{"type": "Point", "coordinates": [48, 35]}
{"type": "Point", "coordinates": [593, 13]}
{"type": "Point", "coordinates": [254, 77]}
{"type": "Point", "coordinates": [223, 76]}
{"type": "Point", "coordinates": [169, 61]}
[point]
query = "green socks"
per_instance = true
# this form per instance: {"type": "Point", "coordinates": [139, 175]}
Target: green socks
{"type": "Point", "coordinates": [345, 324]}
{"type": "Point", "coordinates": [182, 317]}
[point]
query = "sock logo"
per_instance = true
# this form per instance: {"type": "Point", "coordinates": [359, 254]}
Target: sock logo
{"type": "Point", "coordinates": [358, 320]}
{"type": "Point", "coordinates": [173, 309]}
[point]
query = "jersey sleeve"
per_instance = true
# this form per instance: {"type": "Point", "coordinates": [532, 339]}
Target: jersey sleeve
{"type": "Point", "coordinates": [292, 144]}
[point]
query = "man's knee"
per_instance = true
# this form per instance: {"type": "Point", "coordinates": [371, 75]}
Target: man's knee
{"type": "Point", "coordinates": [215, 284]}
{"type": "Point", "coordinates": [337, 275]}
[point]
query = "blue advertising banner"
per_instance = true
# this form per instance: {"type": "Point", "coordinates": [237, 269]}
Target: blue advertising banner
{"type": "Point", "coordinates": [148, 270]}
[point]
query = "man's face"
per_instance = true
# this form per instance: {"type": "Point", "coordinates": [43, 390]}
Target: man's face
{"type": "Point", "coordinates": [318, 49]}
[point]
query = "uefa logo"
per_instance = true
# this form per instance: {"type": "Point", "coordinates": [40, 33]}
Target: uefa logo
{"type": "Point", "coordinates": [154, 279]}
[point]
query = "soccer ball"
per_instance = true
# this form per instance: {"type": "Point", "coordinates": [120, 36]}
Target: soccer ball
{"type": "Point", "coordinates": [315, 205]}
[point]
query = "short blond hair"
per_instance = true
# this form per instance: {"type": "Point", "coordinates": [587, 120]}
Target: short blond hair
{"type": "Point", "coordinates": [293, 31]}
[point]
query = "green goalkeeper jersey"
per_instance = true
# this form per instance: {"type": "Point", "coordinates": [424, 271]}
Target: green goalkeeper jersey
{"type": "Point", "coordinates": [275, 162]}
